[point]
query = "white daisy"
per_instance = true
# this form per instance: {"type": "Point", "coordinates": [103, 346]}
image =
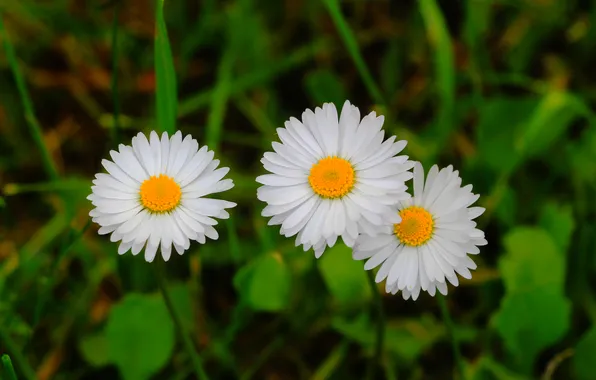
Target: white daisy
{"type": "Point", "coordinates": [154, 195]}
{"type": "Point", "coordinates": [333, 177]}
{"type": "Point", "coordinates": [432, 242]}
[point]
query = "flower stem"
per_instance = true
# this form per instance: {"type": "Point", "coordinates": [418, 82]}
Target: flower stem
{"type": "Point", "coordinates": [451, 330]}
{"type": "Point", "coordinates": [380, 319]}
{"type": "Point", "coordinates": [8, 369]}
{"type": "Point", "coordinates": [188, 344]}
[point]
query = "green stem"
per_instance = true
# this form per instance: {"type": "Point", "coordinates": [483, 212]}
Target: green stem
{"type": "Point", "coordinates": [380, 317]}
{"type": "Point", "coordinates": [188, 344]}
{"type": "Point", "coordinates": [32, 122]}
{"type": "Point", "coordinates": [8, 369]}
{"type": "Point", "coordinates": [451, 330]}
{"type": "Point", "coordinates": [19, 359]}
{"type": "Point", "coordinates": [352, 46]}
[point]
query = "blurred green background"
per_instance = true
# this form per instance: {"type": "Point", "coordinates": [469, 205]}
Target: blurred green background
{"type": "Point", "coordinates": [501, 89]}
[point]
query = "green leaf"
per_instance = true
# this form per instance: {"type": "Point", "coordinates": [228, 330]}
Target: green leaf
{"type": "Point", "coordinates": [324, 86]}
{"type": "Point", "coordinates": [583, 360]}
{"type": "Point", "coordinates": [345, 278]}
{"type": "Point", "coordinates": [530, 321]}
{"type": "Point", "coordinates": [549, 121]}
{"type": "Point", "coordinates": [265, 283]}
{"type": "Point", "coordinates": [499, 119]}
{"type": "Point", "coordinates": [140, 336]}
{"type": "Point", "coordinates": [532, 260]}
{"type": "Point", "coordinates": [94, 348]}
{"type": "Point", "coordinates": [165, 93]}
{"type": "Point", "coordinates": [558, 221]}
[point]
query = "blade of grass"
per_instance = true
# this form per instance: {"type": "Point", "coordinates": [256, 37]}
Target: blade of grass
{"type": "Point", "coordinates": [255, 78]}
{"type": "Point", "coordinates": [166, 95]}
{"type": "Point", "coordinates": [440, 41]}
{"type": "Point", "coordinates": [53, 276]}
{"type": "Point", "coordinates": [32, 122]}
{"type": "Point", "coordinates": [219, 100]}
{"type": "Point", "coordinates": [26, 370]}
{"type": "Point", "coordinates": [7, 368]}
{"type": "Point", "coordinates": [67, 184]}
{"type": "Point", "coordinates": [114, 83]}
{"type": "Point", "coordinates": [352, 46]}
{"type": "Point", "coordinates": [330, 364]}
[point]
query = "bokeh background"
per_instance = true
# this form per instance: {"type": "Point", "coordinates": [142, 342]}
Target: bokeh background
{"type": "Point", "coordinates": [501, 89]}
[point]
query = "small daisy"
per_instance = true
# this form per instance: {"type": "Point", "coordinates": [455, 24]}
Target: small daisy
{"type": "Point", "coordinates": [333, 177]}
{"type": "Point", "coordinates": [154, 195]}
{"type": "Point", "coordinates": [432, 242]}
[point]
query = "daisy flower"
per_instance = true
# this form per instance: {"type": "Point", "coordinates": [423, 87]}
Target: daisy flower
{"type": "Point", "coordinates": [432, 242]}
{"type": "Point", "coordinates": [154, 195]}
{"type": "Point", "coordinates": [333, 176]}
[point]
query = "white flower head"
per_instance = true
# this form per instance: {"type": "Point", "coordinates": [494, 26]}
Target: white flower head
{"type": "Point", "coordinates": [432, 242]}
{"type": "Point", "coordinates": [154, 195]}
{"type": "Point", "coordinates": [333, 176]}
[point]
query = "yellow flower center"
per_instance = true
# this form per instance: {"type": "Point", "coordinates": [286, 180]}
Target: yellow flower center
{"type": "Point", "coordinates": [416, 226]}
{"type": "Point", "coordinates": [160, 193]}
{"type": "Point", "coordinates": [331, 177]}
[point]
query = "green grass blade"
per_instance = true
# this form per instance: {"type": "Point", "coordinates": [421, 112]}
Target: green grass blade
{"type": "Point", "coordinates": [254, 79]}
{"type": "Point", "coordinates": [114, 82]}
{"type": "Point", "coordinates": [219, 100]}
{"type": "Point", "coordinates": [7, 368]}
{"type": "Point", "coordinates": [440, 40]}
{"type": "Point", "coordinates": [45, 293]}
{"type": "Point", "coordinates": [352, 46]}
{"type": "Point", "coordinates": [32, 121]}
{"type": "Point", "coordinates": [166, 94]}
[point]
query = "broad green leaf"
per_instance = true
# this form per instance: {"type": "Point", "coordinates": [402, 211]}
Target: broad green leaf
{"type": "Point", "coordinates": [140, 336]}
{"type": "Point", "coordinates": [265, 283]}
{"type": "Point", "coordinates": [532, 260]}
{"type": "Point", "coordinates": [166, 95]}
{"type": "Point", "coordinates": [324, 86]}
{"type": "Point", "coordinates": [549, 121]}
{"type": "Point", "coordinates": [530, 321]}
{"type": "Point", "coordinates": [345, 277]}
{"type": "Point", "coordinates": [585, 354]}
{"type": "Point", "coordinates": [499, 120]}
{"type": "Point", "coordinates": [558, 221]}
{"type": "Point", "coordinates": [94, 348]}
{"type": "Point", "coordinates": [407, 338]}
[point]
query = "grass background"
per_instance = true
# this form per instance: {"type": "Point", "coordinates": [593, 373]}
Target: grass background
{"type": "Point", "coordinates": [503, 90]}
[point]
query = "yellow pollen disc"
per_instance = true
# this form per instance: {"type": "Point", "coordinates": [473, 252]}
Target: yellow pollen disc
{"type": "Point", "coordinates": [160, 193]}
{"type": "Point", "coordinates": [331, 177]}
{"type": "Point", "coordinates": [416, 226]}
